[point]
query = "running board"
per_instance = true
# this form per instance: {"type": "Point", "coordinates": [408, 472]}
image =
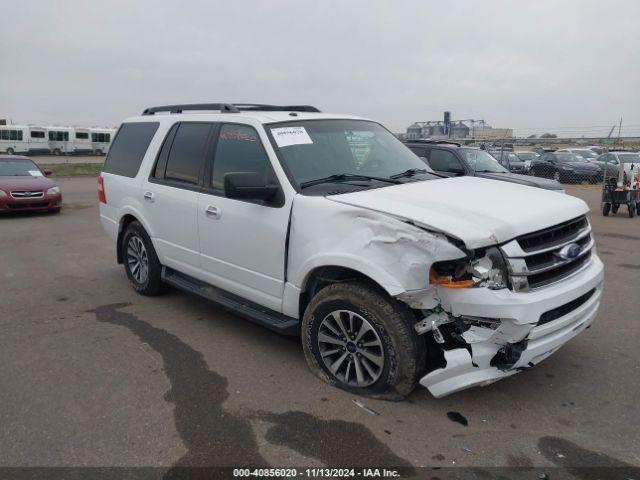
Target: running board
{"type": "Point", "coordinates": [271, 319]}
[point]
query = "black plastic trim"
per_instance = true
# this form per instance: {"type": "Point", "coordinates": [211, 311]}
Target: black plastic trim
{"type": "Point", "coordinates": [266, 317]}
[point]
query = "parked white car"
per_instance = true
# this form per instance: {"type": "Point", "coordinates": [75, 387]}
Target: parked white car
{"type": "Point", "coordinates": [328, 227]}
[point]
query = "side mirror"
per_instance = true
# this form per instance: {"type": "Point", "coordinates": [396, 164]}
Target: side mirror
{"type": "Point", "coordinates": [47, 173]}
{"type": "Point", "coordinates": [247, 185]}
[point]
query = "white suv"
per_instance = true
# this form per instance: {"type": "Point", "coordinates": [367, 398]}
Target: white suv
{"type": "Point", "coordinates": [328, 227]}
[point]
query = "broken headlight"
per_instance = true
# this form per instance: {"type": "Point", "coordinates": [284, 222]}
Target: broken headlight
{"type": "Point", "coordinates": [486, 269]}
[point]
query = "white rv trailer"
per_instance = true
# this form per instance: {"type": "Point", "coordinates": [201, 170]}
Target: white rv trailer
{"type": "Point", "coordinates": [60, 140]}
{"type": "Point", "coordinates": [38, 141]}
{"type": "Point", "coordinates": [82, 141]}
{"type": "Point", "coordinates": [23, 139]}
{"type": "Point", "coordinates": [101, 139]}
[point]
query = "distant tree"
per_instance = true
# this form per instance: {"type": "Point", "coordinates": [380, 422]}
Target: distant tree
{"type": "Point", "coordinates": [548, 135]}
{"type": "Point", "coordinates": [532, 136]}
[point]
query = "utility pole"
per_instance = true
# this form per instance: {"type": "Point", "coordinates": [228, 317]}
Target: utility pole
{"type": "Point", "coordinates": [620, 128]}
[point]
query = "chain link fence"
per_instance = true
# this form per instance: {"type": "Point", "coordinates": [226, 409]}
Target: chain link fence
{"type": "Point", "coordinates": [568, 162]}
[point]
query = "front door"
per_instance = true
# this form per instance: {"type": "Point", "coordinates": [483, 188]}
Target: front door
{"type": "Point", "coordinates": [243, 242]}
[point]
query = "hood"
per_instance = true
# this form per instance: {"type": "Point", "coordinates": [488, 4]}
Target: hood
{"type": "Point", "coordinates": [25, 183]}
{"type": "Point", "coordinates": [523, 180]}
{"type": "Point", "coordinates": [580, 165]}
{"type": "Point", "coordinates": [478, 211]}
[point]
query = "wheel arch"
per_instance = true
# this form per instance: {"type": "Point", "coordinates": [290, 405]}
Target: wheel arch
{"type": "Point", "coordinates": [324, 275]}
{"type": "Point", "coordinates": [126, 218]}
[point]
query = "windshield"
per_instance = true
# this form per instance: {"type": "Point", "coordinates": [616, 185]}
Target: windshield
{"type": "Point", "coordinates": [585, 153]}
{"type": "Point", "coordinates": [315, 149]}
{"type": "Point", "coordinates": [569, 157]}
{"type": "Point", "coordinates": [527, 156]}
{"type": "Point", "coordinates": [481, 161]}
{"type": "Point", "coordinates": [19, 168]}
{"type": "Point", "coordinates": [629, 157]}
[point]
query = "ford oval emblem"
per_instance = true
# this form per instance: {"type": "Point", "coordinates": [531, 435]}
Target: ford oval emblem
{"type": "Point", "coordinates": [569, 252]}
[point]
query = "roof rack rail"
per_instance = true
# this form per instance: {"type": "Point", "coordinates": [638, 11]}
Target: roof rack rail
{"type": "Point", "coordinates": [229, 108]}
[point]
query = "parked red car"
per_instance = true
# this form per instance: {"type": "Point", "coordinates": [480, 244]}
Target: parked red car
{"type": "Point", "coordinates": [24, 187]}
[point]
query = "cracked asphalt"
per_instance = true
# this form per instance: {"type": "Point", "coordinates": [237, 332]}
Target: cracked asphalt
{"type": "Point", "coordinates": [92, 374]}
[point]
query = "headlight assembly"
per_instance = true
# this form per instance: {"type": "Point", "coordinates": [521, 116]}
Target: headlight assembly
{"type": "Point", "coordinates": [53, 191]}
{"type": "Point", "coordinates": [487, 269]}
{"type": "Point", "coordinates": [3, 193]}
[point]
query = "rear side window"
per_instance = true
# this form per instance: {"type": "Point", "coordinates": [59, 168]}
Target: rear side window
{"type": "Point", "coordinates": [129, 147]}
{"type": "Point", "coordinates": [188, 150]}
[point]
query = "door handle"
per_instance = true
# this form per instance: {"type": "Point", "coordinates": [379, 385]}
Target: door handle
{"type": "Point", "coordinates": [213, 212]}
{"type": "Point", "coordinates": [148, 196]}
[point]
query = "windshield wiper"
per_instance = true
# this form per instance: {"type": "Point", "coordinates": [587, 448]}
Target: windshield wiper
{"type": "Point", "coordinates": [409, 173]}
{"type": "Point", "coordinates": [344, 176]}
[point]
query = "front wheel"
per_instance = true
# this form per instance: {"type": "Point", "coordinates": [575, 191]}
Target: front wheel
{"type": "Point", "coordinates": [357, 338]}
{"type": "Point", "coordinates": [606, 208]}
{"type": "Point", "coordinates": [10, 151]}
{"type": "Point", "coordinates": [632, 210]}
{"type": "Point", "coordinates": [141, 262]}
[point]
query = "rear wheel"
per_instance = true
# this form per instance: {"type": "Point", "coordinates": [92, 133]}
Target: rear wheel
{"type": "Point", "coordinates": [57, 152]}
{"type": "Point", "coordinates": [10, 151]}
{"type": "Point", "coordinates": [141, 262]}
{"type": "Point", "coordinates": [632, 210]}
{"type": "Point", "coordinates": [357, 338]}
{"type": "Point", "coordinates": [98, 152]}
{"type": "Point", "coordinates": [606, 208]}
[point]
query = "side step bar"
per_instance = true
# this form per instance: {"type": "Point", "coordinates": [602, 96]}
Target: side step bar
{"type": "Point", "coordinates": [271, 319]}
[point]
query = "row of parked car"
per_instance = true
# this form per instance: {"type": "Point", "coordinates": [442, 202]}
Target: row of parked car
{"type": "Point", "coordinates": [569, 165]}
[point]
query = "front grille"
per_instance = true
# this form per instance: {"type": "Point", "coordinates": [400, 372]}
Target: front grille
{"type": "Point", "coordinates": [552, 236]}
{"type": "Point", "coordinates": [542, 258]}
{"type": "Point", "coordinates": [28, 205]}
{"type": "Point", "coordinates": [27, 193]}
{"type": "Point", "coordinates": [563, 310]}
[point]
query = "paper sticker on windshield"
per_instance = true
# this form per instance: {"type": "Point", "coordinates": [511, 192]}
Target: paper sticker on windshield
{"type": "Point", "coordinates": [286, 136]}
{"type": "Point", "coordinates": [35, 173]}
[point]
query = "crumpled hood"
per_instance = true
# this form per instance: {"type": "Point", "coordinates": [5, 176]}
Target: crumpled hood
{"type": "Point", "coordinates": [25, 183]}
{"type": "Point", "coordinates": [478, 211]}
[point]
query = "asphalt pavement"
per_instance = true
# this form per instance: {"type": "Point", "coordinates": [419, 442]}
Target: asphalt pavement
{"type": "Point", "coordinates": [92, 374]}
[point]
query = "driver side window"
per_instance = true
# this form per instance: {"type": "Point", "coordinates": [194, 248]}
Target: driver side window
{"type": "Point", "coordinates": [444, 161]}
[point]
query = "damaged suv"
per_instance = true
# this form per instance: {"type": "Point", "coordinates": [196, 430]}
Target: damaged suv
{"type": "Point", "coordinates": [328, 227]}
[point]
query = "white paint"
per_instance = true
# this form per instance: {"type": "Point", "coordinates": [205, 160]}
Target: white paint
{"type": "Point", "coordinates": [392, 235]}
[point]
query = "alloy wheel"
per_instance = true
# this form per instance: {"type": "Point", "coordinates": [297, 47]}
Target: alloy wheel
{"type": "Point", "coordinates": [137, 259]}
{"type": "Point", "coordinates": [351, 348]}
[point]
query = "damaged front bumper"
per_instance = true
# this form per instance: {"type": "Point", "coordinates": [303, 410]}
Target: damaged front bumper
{"type": "Point", "coordinates": [527, 328]}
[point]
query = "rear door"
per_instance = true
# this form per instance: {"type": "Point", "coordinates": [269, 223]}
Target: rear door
{"type": "Point", "coordinates": [170, 194]}
{"type": "Point", "coordinates": [243, 242]}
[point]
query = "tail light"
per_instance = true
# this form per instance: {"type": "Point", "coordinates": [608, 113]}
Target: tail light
{"type": "Point", "coordinates": [101, 194]}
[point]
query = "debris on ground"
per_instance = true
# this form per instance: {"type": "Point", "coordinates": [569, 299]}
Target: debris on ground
{"type": "Point", "coordinates": [365, 408]}
{"type": "Point", "coordinates": [458, 417]}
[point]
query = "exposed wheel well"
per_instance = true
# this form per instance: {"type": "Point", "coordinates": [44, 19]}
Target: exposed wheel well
{"type": "Point", "coordinates": [124, 222]}
{"type": "Point", "coordinates": [322, 277]}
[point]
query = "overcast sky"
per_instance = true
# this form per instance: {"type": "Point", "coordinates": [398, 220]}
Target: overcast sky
{"type": "Point", "coordinates": [560, 66]}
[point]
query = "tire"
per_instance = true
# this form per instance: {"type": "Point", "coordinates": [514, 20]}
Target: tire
{"type": "Point", "coordinates": [10, 151]}
{"type": "Point", "coordinates": [398, 351]}
{"type": "Point", "coordinates": [556, 176]}
{"type": "Point", "coordinates": [632, 210]}
{"type": "Point", "coordinates": [98, 152]}
{"type": "Point", "coordinates": [57, 152]}
{"type": "Point", "coordinates": [136, 247]}
{"type": "Point", "coordinates": [614, 209]}
{"type": "Point", "coordinates": [606, 208]}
